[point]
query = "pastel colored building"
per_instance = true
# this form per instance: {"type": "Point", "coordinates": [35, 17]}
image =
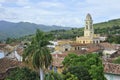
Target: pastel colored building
{"type": "Point", "coordinates": [89, 36]}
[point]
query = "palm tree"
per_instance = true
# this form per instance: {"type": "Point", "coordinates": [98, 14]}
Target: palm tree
{"type": "Point", "coordinates": [38, 53]}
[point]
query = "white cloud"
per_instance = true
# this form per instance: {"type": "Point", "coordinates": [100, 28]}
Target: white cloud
{"type": "Point", "coordinates": [1, 1]}
{"type": "Point", "coordinates": [50, 4]}
{"type": "Point", "coordinates": [0, 5]}
{"type": "Point", "coordinates": [60, 13]}
{"type": "Point", "coordinates": [22, 2]}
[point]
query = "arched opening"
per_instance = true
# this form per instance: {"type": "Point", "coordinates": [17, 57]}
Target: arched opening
{"type": "Point", "coordinates": [75, 48]}
{"type": "Point", "coordinates": [78, 48]}
{"type": "Point", "coordinates": [66, 49]}
{"type": "Point", "coordinates": [83, 42]}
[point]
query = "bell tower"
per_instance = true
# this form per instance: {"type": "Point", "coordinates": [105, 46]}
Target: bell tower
{"type": "Point", "coordinates": [88, 30]}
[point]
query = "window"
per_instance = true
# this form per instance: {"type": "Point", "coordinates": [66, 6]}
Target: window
{"type": "Point", "coordinates": [83, 42]}
{"type": "Point", "coordinates": [75, 48]}
{"type": "Point", "coordinates": [66, 49]}
{"type": "Point", "coordinates": [86, 26]}
{"type": "Point", "coordinates": [78, 48]}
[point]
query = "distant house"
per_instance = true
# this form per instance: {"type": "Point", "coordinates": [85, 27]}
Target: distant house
{"type": "Point", "coordinates": [102, 38]}
{"type": "Point", "coordinates": [109, 53]}
{"type": "Point", "coordinates": [112, 71]}
{"type": "Point", "coordinates": [6, 65]}
{"type": "Point", "coordinates": [52, 45]}
{"type": "Point", "coordinates": [109, 50]}
{"type": "Point", "coordinates": [14, 53]}
{"type": "Point", "coordinates": [107, 46]}
{"type": "Point", "coordinates": [57, 65]}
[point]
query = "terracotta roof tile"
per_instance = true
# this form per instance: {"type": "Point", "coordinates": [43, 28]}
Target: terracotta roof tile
{"type": "Point", "coordinates": [57, 59]}
{"type": "Point", "coordinates": [112, 68]}
{"type": "Point", "coordinates": [20, 51]}
{"type": "Point", "coordinates": [6, 64]}
{"type": "Point", "coordinates": [107, 46]}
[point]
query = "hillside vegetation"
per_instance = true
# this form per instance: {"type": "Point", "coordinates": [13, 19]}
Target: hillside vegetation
{"type": "Point", "coordinates": [110, 23]}
{"type": "Point", "coordinates": [16, 30]}
{"type": "Point", "coordinates": [111, 27]}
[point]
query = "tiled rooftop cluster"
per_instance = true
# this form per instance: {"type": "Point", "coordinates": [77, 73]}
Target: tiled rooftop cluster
{"type": "Point", "coordinates": [6, 63]}
{"type": "Point", "coordinates": [112, 68]}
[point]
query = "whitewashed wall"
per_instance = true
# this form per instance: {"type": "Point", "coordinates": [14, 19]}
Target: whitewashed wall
{"type": "Point", "coordinates": [112, 76]}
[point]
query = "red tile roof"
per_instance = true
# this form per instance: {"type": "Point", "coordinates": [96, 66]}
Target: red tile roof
{"type": "Point", "coordinates": [57, 59]}
{"type": "Point", "coordinates": [111, 68]}
{"type": "Point", "coordinates": [6, 64]}
{"type": "Point", "coordinates": [20, 51]}
{"type": "Point", "coordinates": [94, 49]}
{"type": "Point", "coordinates": [107, 46]}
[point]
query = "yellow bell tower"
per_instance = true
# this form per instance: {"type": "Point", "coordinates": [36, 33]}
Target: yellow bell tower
{"type": "Point", "coordinates": [89, 36]}
{"type": "Point", "coordinates": [88, 30]}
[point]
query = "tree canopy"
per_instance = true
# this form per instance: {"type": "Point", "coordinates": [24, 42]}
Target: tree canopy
{"type": "Point", "coordinates": [85, 67]}
{"type": "Point", "coordinates": [22, 74]}
{"type": "Point", "coordinates": [38, 53]}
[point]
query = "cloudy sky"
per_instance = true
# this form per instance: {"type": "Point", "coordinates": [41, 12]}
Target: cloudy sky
{"type": "Point", "coordinates": [59, 12]}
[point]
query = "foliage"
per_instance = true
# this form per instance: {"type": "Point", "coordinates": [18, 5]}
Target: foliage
{"type": "Point", "coordinates": [117, 60]}
{"type": "Point", "coordinates": [69, 76]}
{"type": "Point", "coordinates": [38, 49]}
{"type": "Point", "coordinates": [53, 76]}
{"type": "Point", "coordinates": [10, 40]}
{"type": "Point", "coordinates": [38, 53]}
{"type": "Point", "coordinates": [22, 74]}
{"type": "Point", "coordinates": [104, 28]}
{"type": "Point", "coordinates": [16, 30]}
{"type": "Point", "coordinates": [67, 34]}
{"type": "Point", "coordinates": [114, 39]}
{"type": "Point", "coordinates": [85, 67]}
{"type": "Point", "coordinates": [80, 72]}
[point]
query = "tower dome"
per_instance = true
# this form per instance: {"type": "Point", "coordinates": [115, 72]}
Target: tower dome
{"type": "Point", "coordinates": [88, 17]}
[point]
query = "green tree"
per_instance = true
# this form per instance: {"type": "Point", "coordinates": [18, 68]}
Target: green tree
{"type": "Point", "coordinates": [53, 76]}
{"type": "Point", "coordinates": [22, 73]}
{"type": "Point", "coordinates": [113, 39]}
{"type": "Point", "coordinates": [85, 67]}
{"type": "Point", "coordinates": [79, 71]}
{"type": "Point", "coordinates": [38, 53]}
{"type": "Point", "coordinates": [10, 40]}
{"type": "Point", "coordinates": [69, 76]}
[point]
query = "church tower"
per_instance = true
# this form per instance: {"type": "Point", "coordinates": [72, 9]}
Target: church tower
{"type": "Point", "coordinates": [88, 30]}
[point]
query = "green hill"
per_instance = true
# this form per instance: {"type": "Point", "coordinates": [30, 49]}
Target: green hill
{"type": "Point", "coordinates": [110, 27]}
{"type": "Point", "coordinates": [13, 30]}
{"type": "Point", "coordinates": [16, 30]}
{"type": "Point", "coordinates": [108, 24]}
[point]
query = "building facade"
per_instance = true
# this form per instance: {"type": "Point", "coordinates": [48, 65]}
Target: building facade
{"type": "Point", "coordinates": [89, 36]}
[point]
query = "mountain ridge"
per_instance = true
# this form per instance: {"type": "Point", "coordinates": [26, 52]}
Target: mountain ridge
{"type": "Point", "coordinates": [15, 30]}
{"type": "Point", "coordinates": [20, 29]}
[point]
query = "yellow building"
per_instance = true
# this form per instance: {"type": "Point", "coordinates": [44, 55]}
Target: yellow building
{"type": "Point", "coordinates": [63, 45]}
{"type": "Point", "coordinates": [89, 36]}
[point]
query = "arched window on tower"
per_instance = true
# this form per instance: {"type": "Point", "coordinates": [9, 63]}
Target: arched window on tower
{"type": "Point", "coordinates": [91, 27]}
{"type": "Point", "coordinates": [83, 42]}
{"type": "Point", "coordinates": [86, 26]}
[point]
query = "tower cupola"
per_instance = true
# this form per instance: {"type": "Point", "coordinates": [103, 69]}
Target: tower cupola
{"type": "Point", "coordinates": [88, 17]}
{"type": "Point", "coordinates": [88, 31]}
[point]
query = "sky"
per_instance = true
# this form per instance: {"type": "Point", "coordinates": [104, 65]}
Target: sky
{"type": "Point", "coordinates": [69, 13]}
